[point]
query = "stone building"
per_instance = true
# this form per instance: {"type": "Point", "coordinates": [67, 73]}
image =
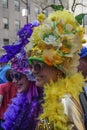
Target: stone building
{"type": "Point", "coordinates": [15, 13]}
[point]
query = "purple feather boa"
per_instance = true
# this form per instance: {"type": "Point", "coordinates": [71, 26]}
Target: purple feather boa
{"type": "Point", "coordinates": [22, 114]}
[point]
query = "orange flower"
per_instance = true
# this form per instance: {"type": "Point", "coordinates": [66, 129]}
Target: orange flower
{"type": "Point", "coordinates": [60, 27]}
{"type": "Point", "coordinates": [48, 61]}
{"type": "Point", "coordinates": [64, 49]}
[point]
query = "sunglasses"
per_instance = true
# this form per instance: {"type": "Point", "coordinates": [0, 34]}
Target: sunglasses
{"type": "Point", "coordinates": [18, 76]}
{"type": "Point", "coordinates": [38, 66]}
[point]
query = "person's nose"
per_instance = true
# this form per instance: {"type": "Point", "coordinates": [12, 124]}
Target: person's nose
{"type": "Point", "coordinates": [34, 71]}
{"type": "Point", "coordinates": [14, 80]}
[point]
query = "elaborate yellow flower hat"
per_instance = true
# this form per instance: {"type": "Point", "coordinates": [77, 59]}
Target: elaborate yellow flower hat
{"type": "Point", "coordinates": [57, 41]}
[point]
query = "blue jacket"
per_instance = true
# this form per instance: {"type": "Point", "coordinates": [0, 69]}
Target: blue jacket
{"type": "Point", "coordinates": [2, 73]}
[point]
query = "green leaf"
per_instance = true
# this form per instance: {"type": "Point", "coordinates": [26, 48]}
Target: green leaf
{"type": "Point", "coordinates": [57, 7]}
{"type": "Point", "coordinates": [79, 18]}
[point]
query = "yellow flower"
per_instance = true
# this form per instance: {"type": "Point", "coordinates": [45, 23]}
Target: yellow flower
{"type": "Point", "coordinates": [41, 18]}
{"type": "Point", "coordinates": [41, 45]}
{"type": "Point", "coordinates": [57, 59]}
{"type": "Point", "coordinates": [81, 31]}
{"type": "Point", "coordinates": [83, 40]}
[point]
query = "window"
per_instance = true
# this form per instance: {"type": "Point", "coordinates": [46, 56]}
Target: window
{"type": "Point", "coordinates": [6, 41]}
{"type": "Point", "coordinates": [17, 5]}
{"type": "Point", "coordinates": [5, 23]}
{"type": "Point", "coordinates": [17, 25]}
{"type": "Point", "coordinates": [5, 3]}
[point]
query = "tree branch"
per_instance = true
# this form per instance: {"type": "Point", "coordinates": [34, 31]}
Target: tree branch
{"type": "Point", "coordinates": [61, 2]}
{"type": "Point", "coordinates": [74, 5]}
{"type": "Point", "coordinates": [72, 8]}
{"type": "Point", "coordinates": [46, 7]}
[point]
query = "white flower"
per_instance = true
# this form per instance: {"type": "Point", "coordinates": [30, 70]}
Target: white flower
{"type": "Point", "coordinates": [50, 39]}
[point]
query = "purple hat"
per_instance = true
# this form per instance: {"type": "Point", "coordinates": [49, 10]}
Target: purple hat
{"type": "Point", "coordinates": [20, 64]}
{"type": "Point", "coordinates": [16, 53]}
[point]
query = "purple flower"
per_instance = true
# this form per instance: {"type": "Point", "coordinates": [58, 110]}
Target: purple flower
{"type": "Point", "coordinates": [25, 32]}
{"type": "Point", "coordinates": [35, 23]}
{"type": "Point", "coordinates": [13, 49]}
{"type": "Point", "coordinates": [24, 35]}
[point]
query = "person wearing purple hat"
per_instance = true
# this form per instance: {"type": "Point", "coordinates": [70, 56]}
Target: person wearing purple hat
{"type": "Point", "coordinates": [20, 69]}
{"type": "Point", "coordinates": [23, 112]}
{"type": "Point", "coordinates": [26, 106]}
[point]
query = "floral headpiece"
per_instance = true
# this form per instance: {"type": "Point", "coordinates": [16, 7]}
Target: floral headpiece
{"type": "Point", "coordinates": [57, 41]}
{"type": "Point", "coordinates": [20, 64]}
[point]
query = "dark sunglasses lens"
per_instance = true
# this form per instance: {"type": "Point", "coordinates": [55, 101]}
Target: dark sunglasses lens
{"type": "Point", "coordinates": [37, 67]}
{"type": "Point", "coordinates": [17, 76]}
{"type": "Point", "coordinates": [12, 76]}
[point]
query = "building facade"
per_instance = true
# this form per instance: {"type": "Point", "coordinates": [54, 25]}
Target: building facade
{"type": "Point", "coordinates": [15, 13]}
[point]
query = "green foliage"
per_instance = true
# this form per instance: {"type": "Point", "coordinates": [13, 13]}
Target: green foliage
{"type": "Point", "coordinates": [57, 7]}
{"type": "Point", "coordinates": [79, 18]}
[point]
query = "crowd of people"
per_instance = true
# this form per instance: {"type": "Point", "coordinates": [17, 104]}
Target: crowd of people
{"type": "Point", "coordinates": [46, 76]}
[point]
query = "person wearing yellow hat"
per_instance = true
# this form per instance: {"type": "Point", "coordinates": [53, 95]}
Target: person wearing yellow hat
{"type": "Point", "coordinates": [53, 54]}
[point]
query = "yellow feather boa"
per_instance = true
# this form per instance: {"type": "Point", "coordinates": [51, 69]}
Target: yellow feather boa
{"type": "Point", "coordinates": [53, 108]}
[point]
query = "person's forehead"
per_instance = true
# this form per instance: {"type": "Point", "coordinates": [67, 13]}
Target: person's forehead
{"type": "Point", "coordinates": [17, 72]}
